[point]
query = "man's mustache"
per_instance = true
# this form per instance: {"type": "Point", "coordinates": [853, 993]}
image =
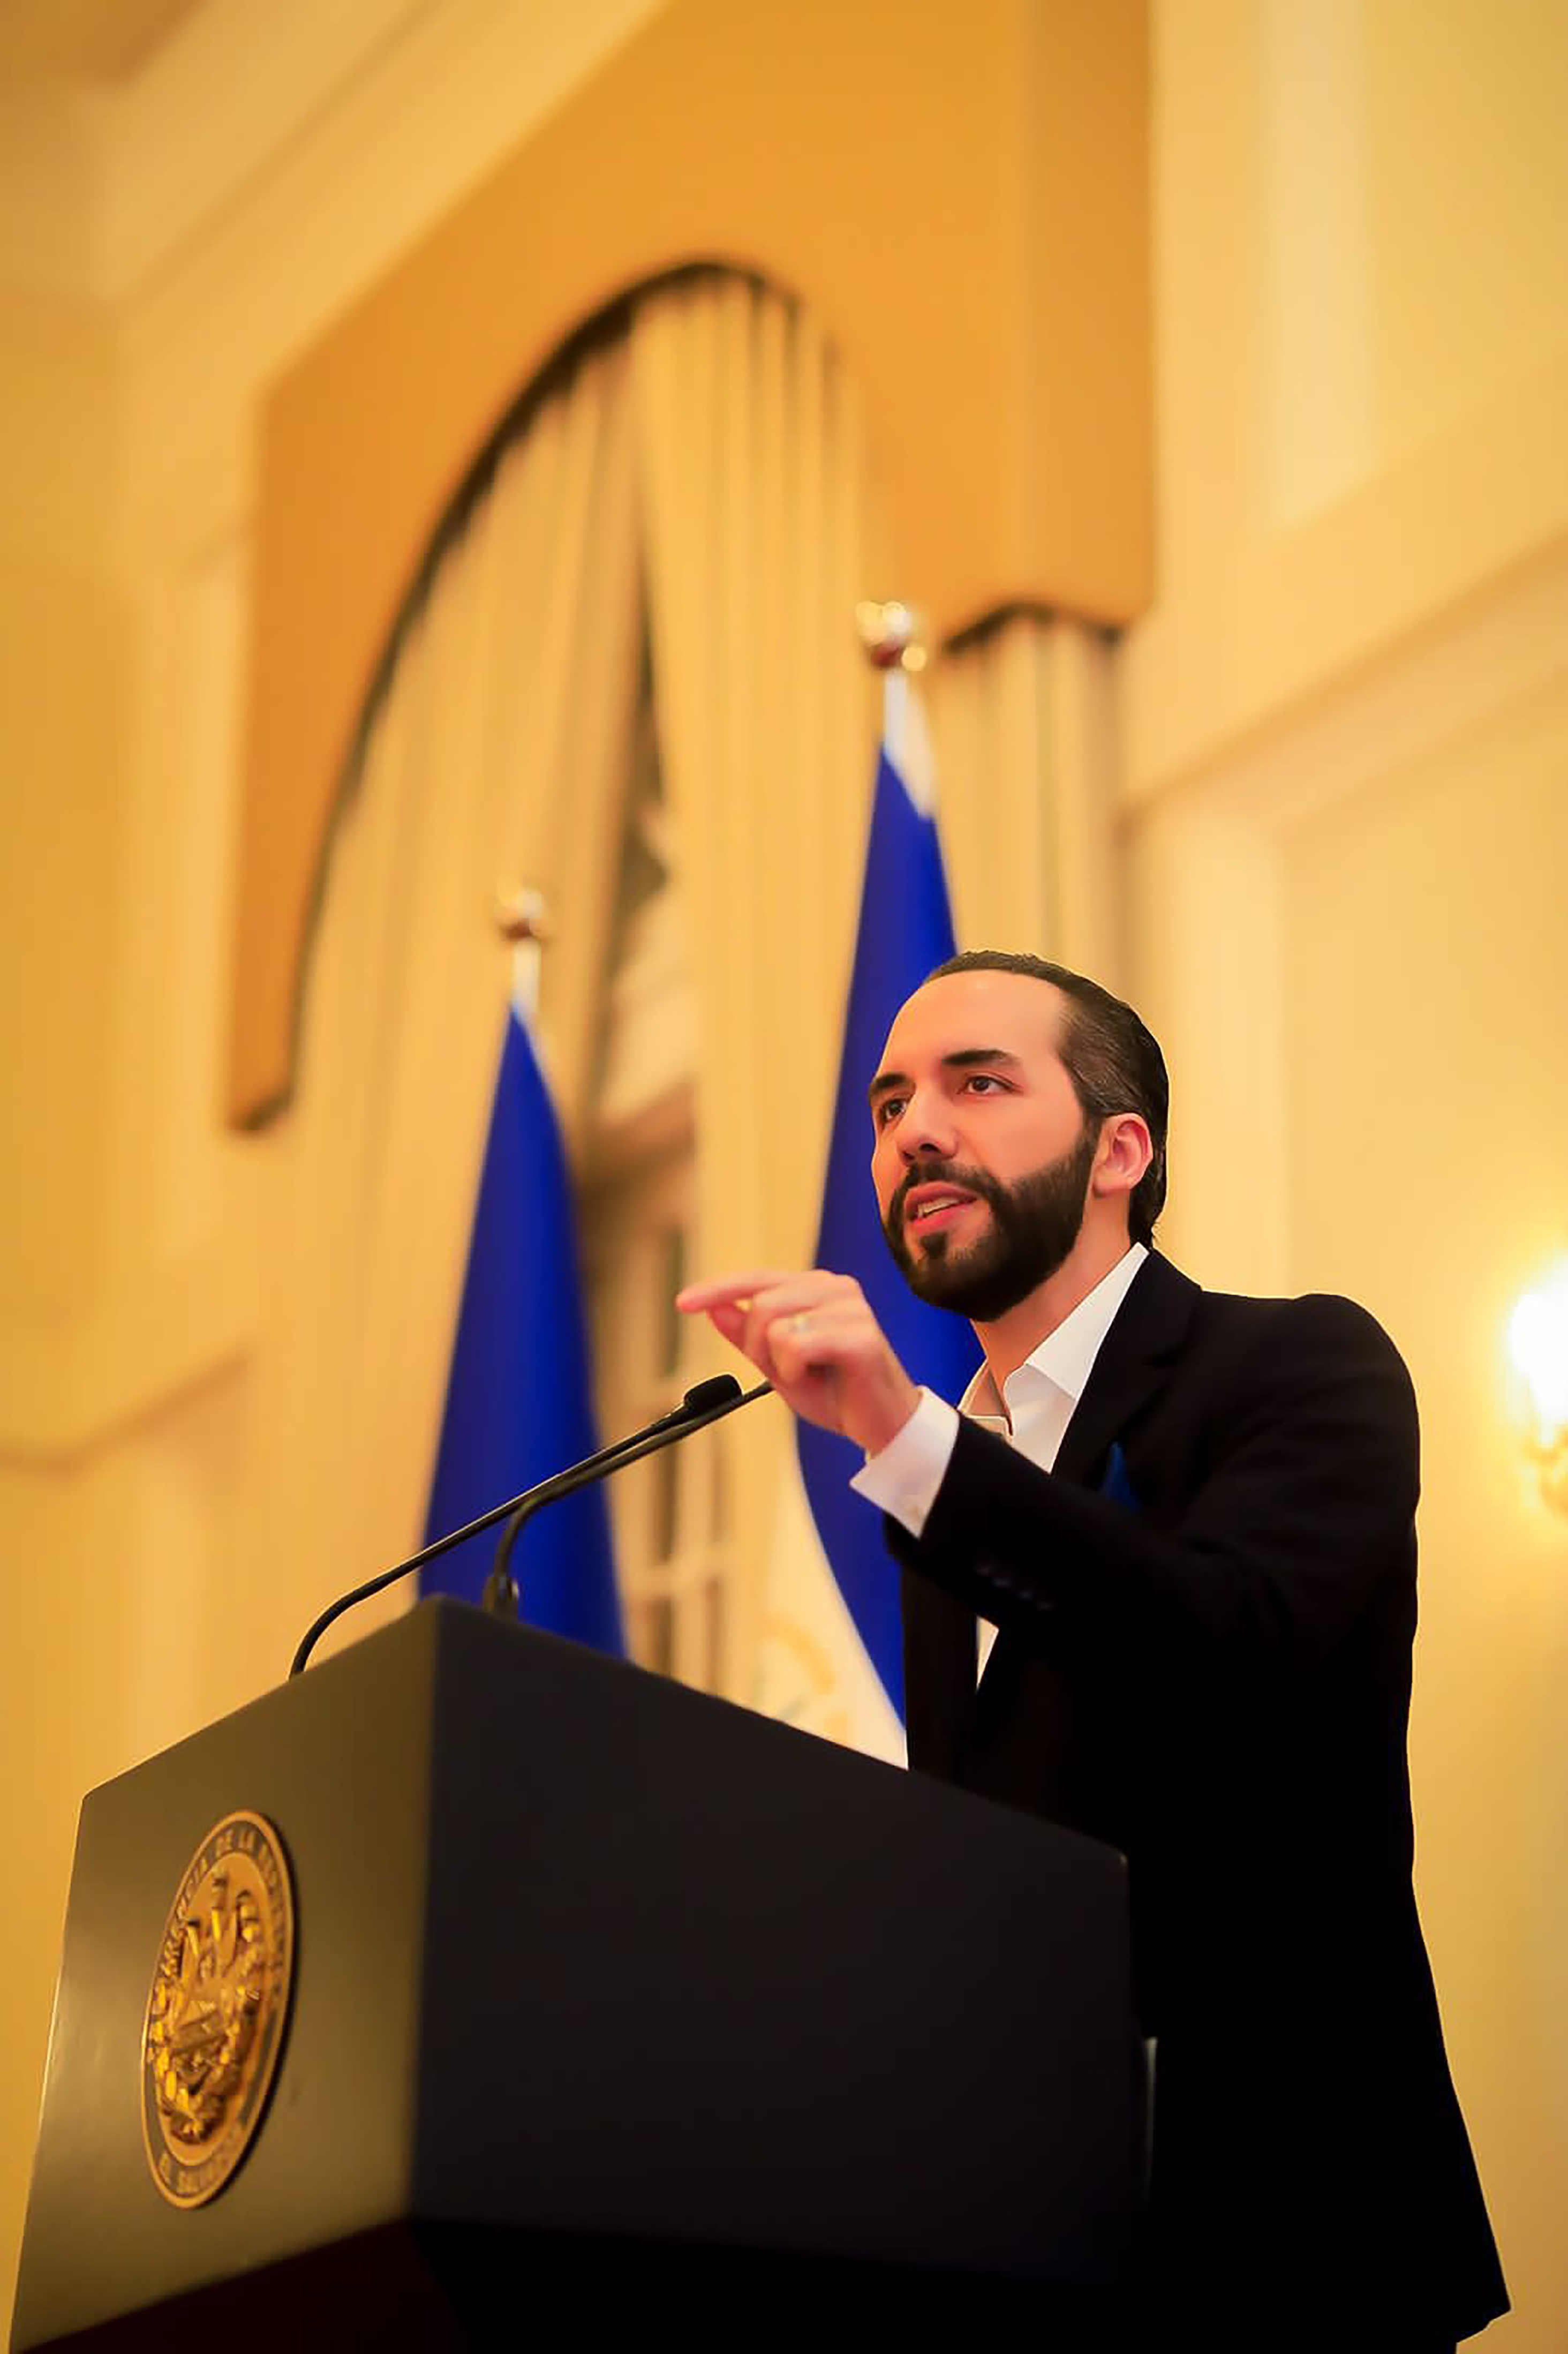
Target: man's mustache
{"type": "Point", "coordinates": [978, 1182]}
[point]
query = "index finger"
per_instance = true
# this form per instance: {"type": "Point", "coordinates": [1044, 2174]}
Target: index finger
{"type": "Point", "coordinates": [729, 1290]}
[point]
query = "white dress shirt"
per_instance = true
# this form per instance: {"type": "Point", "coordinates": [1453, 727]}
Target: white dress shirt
{"type": "Point", "coordinates": [1034, 1411]}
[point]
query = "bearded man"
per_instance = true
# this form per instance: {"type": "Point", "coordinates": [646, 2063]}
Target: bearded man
{"type": "Point", "coordinates": [1183, 1524]}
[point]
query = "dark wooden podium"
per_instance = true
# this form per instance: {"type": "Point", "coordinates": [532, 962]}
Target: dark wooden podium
{"type": "Point", "coordinates": [601, 1989]}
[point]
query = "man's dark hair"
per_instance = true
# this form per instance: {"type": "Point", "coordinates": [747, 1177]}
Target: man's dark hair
{"type": "Point", "coordinates": [1113, 1060]}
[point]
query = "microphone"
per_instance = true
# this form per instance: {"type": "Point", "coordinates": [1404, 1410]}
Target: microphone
{"type": "Point", "coordinates": [708, 1402]}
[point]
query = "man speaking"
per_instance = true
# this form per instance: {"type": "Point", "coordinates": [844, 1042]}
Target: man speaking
{"type": "Point", "coordinates": [1159, 1587]}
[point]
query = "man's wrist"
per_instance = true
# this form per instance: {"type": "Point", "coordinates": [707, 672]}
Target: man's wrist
{"type": "Point", "coordinates": [903, 1480]}
{"type": "Point", "coordinates": [880, 1419]}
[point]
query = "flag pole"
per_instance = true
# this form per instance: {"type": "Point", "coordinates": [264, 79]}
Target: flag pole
{"type": "Point", "coordinates": [893, 635]}
{"type": "Point", "coordinates": [904, 930]}
{"type": "Point", "coordinates": [519, 1399]}
{"type": "Point", "coordinates": [523, 917]}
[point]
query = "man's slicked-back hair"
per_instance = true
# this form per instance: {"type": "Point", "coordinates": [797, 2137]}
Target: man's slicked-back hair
{"type": "Point", "coordinates": [1111, 1056]}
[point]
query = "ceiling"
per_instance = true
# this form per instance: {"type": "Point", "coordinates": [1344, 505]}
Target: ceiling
{"type": "Point", "coordinates": [101, 42]}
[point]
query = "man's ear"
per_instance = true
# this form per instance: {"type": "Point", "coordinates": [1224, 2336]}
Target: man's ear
{"type": "Point", "coordinates": [1124, 1152]}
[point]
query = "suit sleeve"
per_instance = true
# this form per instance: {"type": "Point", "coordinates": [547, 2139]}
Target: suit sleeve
{"type": "Point", "coordinates": [1292, 1504]}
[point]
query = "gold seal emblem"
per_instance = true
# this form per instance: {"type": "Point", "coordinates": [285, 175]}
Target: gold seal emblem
{"type": "Point", "coordinates": [217, 2010]}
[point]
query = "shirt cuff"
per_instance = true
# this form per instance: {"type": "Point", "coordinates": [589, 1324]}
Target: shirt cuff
{"type": "Point", "coordinates": [904, 1478]}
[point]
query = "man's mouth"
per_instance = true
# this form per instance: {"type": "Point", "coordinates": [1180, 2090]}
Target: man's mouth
{"type": "Point", "coordinates": [931, 1207]}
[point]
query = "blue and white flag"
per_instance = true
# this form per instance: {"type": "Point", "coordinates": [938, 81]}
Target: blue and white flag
{"type": "Point", "coordinates": [904, 929]}
{"type": "Point", "coordinates": [519, 1398]}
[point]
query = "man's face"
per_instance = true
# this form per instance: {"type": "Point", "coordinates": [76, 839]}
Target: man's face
{"type": "Point", "coordinates": [982, 1156]}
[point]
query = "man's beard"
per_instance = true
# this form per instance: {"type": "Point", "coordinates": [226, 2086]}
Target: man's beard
{"type": "Point", "coordinates": [1034, 1225]}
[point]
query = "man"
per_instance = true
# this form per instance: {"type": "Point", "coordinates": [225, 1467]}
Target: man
{"type": "Point", "coordinates": [1192, 1525]}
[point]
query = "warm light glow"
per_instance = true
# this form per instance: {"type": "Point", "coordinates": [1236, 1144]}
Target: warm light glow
{"type": "Point", "coordinates": [1537, 1344]}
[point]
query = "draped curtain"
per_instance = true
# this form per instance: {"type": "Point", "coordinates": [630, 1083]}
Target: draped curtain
{"type": "Point", "coordinates": [701, 481]}
{"type": "Point", "coordinates": [497, 752]}
{"type": "Point", "coordinates": [1022, 719]}
{"type": "Point", "coordinates": [762, 531]}
{"type": "Point", "coordinates": [760, 538]}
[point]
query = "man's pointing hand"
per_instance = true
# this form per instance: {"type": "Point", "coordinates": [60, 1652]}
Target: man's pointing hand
{"type": "Point", "coordinates": [815, 1339]}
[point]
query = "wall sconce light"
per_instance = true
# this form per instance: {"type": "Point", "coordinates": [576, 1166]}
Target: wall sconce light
{"type": "Point", "coordinates": [1538, 1343]}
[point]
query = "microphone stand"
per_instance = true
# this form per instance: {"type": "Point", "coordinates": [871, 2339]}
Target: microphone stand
{"type": "Point", "coordinates": [705, 1403]}
{"type": "Point", "coordinates": [501, 1594]}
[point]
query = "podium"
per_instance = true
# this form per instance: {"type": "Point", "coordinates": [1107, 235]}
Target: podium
{"type": "Point", "coordinates": [601, 1989]}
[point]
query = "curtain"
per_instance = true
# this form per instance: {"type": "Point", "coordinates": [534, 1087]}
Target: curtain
{"type": "Point", "coordinates": [702, 477]}
{"type": "Point", "coordinates": [1021, 712]}
{"type": "Point", "coordinates": [497, 754]}
{"type": "Point", "coordinates": [760, 537]}
{"type": "Point", "coordinates": [762, 532]}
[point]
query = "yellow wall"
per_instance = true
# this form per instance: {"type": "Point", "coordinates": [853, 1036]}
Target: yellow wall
{"type": "Point", "coordinates": [1344, 824]}
{"type": "Point", "coordinates": [165, 248]}
{"type": "Point", "coordinates": [962, 197]}
{"type": "Point", "coordinates": [1344, 736]}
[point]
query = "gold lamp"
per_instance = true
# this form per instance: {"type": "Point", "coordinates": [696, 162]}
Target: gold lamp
{"type": "Point", "coordinates": [1537, 1344]}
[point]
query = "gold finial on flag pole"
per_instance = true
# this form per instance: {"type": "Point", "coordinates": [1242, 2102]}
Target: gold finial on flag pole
{"type": "Point", "coordinates": [523, 918]}
{"type": "Point", "coordinates": [521, 913]}
{"type": "Point", "coordinates": [891, 633]}
{"type": "Point", "coordinates": [893, 641]}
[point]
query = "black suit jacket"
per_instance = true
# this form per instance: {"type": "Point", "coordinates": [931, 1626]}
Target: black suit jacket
{"type": "Point", "coordinates": [1206, 1613]}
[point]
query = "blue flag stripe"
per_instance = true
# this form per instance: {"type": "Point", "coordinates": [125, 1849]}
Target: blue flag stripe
{"type": "Point", "coordinates": [519, 1396]}
{"type": "Point", "coordinates": [905, 928]}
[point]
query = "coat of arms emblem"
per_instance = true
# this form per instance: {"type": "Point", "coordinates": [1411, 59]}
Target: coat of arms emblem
{"type": "Point", "coordinates": [216, 2010]}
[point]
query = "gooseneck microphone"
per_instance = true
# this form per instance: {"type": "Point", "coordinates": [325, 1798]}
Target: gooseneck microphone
{"type": "Point", "coordinates": [708, 1402]}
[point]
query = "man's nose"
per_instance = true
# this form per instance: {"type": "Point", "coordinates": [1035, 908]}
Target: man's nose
{"type": "Point", "coordinates": [926, 1131]}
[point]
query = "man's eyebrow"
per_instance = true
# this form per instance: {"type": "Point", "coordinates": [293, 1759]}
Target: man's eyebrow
{"type": "Point", "coordinates": [962, 1058]}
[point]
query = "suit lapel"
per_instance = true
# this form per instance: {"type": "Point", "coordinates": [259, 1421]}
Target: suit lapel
{"type": "Point", "coordinates": [1133, 1366]}
{"type": "Point", "coordinates": [1134, 1361]}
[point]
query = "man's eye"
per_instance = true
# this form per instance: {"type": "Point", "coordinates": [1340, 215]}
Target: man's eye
{"type": "Point", "coordinates": [888, 1109]}
{"type": "Point", "coordinates": [982, 1079]}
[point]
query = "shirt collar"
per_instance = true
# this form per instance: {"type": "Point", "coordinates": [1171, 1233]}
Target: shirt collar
{"type": "Point", "coordinates": [1066, 1357]}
